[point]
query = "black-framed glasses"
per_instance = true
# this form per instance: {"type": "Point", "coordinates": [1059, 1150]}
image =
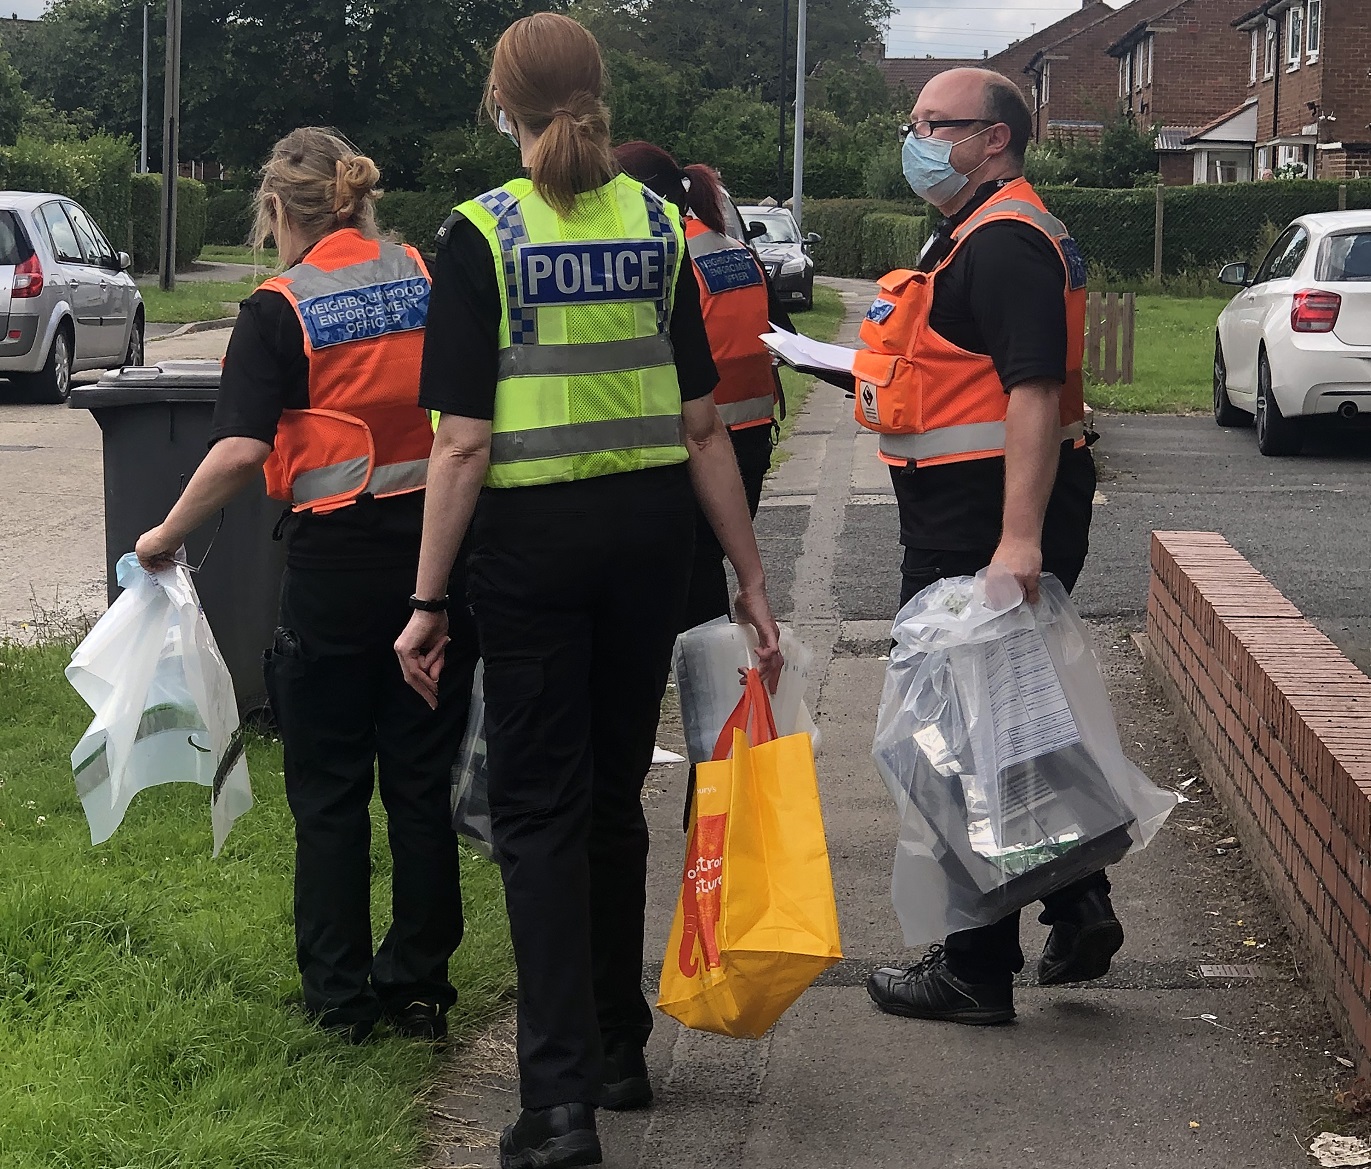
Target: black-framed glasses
{"type": "Point", "coordinates": [924, 128]}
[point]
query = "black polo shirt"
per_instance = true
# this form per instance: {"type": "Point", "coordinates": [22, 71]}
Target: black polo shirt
{"type": "Point", "coordinates": [1004, 296]}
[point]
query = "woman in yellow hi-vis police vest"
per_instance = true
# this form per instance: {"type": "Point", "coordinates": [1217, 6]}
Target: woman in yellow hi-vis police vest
{"type": "Point", "coordinates": [321, 390]}
{"type": "Point", "coordinates": [567, 355]}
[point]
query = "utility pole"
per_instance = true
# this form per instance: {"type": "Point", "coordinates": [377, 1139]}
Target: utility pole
{"type": "Point", "coordinates": [797, 187]}
{"type": "Point", "coordinates": [170, 158]}
{"type": "Point", "coordinates": [780, 102]}
{"type": "Point", "coordinates": [143, 144]}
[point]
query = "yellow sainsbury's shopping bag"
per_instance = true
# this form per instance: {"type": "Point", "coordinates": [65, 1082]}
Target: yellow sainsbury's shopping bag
{"type": "Point", "coordinates": [756, 921]}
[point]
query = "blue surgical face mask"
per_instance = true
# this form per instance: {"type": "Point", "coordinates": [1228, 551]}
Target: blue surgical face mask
{"type": "Point", "coordinates": [927, 165]}
{"type": "Point", "coordinates": [502, 124]}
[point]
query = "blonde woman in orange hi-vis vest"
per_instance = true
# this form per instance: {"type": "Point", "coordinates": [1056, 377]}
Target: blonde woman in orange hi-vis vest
{"type": "Point", "coordinates": [320, 391]}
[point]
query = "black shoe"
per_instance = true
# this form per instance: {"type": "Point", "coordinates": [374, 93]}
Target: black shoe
{"type": "Point", "coordinates": [1082, 942]}
{"type": "Point", "coordinates": [626, 1086]}
{"type": "Point", "coordinates": [551, 1138]}
{"type": "Point", "coordinates": [426, 1022]}
{"type": "Point", "coordinates": [931, 991]}
{"type": "Point", "coordinates": [355, 1033]}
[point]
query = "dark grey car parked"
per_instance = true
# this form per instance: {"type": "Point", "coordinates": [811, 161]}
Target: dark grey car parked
{"type": "Point", "coordinates": [783, 253]}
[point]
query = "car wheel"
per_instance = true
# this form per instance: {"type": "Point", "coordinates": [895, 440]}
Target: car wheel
{"type": "Point", "coordinates": [52, 383]}
{"type": "Point", "coordinates": [1225, 413]}
{"type": "Point", "coordinates": [1276, 434]}
{"type": "Point", "coordinates": [134, 354]}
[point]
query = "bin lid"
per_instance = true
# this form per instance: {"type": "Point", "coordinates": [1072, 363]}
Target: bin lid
{"type": "Point", "coordinates": [142, 385]}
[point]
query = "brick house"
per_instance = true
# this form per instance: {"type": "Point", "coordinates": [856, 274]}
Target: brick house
{"type": "Point", "coordinates": [911, 74]}
{"type": "Point", "coordinates": [1309, 67]}
{"type": "Point", "coordinates": [1177, 71]}
{"type": "Point", "coordinates": [1074, 82]}
{"type": "Point", "coordinates": [1014, 61]}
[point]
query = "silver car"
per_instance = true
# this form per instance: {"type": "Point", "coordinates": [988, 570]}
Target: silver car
{"type": "Point", "coordinates": [67, 302]}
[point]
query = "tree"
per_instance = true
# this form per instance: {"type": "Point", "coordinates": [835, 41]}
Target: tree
{"type": "Point", "coordinates": [14, 103]}
{"type": "Point", "coordinates": [852, 90]}
{"type": "Point", "coordinates": [735, 133]}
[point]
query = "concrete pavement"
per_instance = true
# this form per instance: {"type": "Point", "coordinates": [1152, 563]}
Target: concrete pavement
{"type": "Point", "coordinates": [52, 539]}
{"type": "Point", "coordinates": [1154, 1066]}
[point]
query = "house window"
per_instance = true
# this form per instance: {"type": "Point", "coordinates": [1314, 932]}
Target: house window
{"type": "Point", "coordinates": [1294, 37]}
{"type": "Point", "coordinates": [1272, 48]}
{"type": "Point", "coordinates": [1256, 55]}
{"type": "Point", "coordinates": [1147, 71]}
{"type": "Point", "coordinates": [1263, 162]}
{"type": "Point", "coordinates": [1123, 76]}
{"type": "Point", "coordinates": [1292, 162]}
{"type": "Point", "coordinates": [1047, 82]}
{"type": "Point", "coordinates": [1138, 67]}
{"type": "Point", "coordinates": [1313, 33]}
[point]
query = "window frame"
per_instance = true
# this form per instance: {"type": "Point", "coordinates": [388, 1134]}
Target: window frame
{"type": "Point", "coordinates": [1047, 82]}
{"type": "Point", "coordinates": [77, 215]}
{"type": "Point", "coordinates": [1287, 240]}
{"type": "Point", "coordinates": [58, 254]}
{"type": "Point", "coordinates": [1323, 268]}
{"type": "Point", "coordinates": [1271, 49]}
{"type": "Point", "coordinates": [1294, 38]}
{"type": "Point", "coordinates": [1256, 51]}
{"type": "Point", "coordinates": [1148, 61]}
{"type": "Point", "coordinates": [1313, 26]}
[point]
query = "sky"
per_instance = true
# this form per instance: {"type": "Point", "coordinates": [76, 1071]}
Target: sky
{"type": "Point", "coordinates": [28, 9]}
{"type": "Point", "coordinates": [952, 28]}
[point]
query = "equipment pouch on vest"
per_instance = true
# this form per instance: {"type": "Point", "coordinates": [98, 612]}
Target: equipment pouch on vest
{"type": "Point", "coordinates": [877, 408]}
{"type": "Point", "coordinates": [895, 316]}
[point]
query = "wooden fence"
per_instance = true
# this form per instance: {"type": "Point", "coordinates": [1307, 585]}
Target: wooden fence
{"type": "Point", "coordinates": [1110, 322]}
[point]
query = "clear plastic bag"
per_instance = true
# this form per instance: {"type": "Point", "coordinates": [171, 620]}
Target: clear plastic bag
{"type": "Point", "coordinates": [706, 662]}
{"type": "Point", "coordinates": [165, 710]}
{"type": "Point", "coordinates": [471, 776]}
{"type": "Point", "coordinates": [997, 741]}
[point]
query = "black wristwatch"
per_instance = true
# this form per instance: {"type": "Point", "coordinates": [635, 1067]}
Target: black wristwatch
{"type": "Point", "coordinates": [418, 603]}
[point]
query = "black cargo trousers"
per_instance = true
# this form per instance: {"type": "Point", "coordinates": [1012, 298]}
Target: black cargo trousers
{"type": "Point", "coordinates": [346, 715]}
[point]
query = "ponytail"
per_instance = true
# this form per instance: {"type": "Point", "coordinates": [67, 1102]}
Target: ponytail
{"type": "Point", "coordinates": [705, 196]}
{"type": "Point", "coordinates": [548, 76]}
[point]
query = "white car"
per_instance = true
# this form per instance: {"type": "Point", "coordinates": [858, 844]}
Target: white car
{"type": "Point", "coordinates": [1295, 344]}
{"type": "Point", "coordinates": [67, 302]}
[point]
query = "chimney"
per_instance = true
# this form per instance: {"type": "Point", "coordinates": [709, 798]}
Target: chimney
{"type": "Point", "coordinates": [873, 51]}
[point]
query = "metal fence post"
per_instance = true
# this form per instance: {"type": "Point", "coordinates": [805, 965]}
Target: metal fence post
{"type": "Point", "coordinates": [1157, 236]}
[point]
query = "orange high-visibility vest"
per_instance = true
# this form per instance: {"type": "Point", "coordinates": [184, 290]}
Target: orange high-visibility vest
{"type": "Point", "coordinates": [933, 402]}
{"type": "Point", "coordinates": [362, 305]}
{"type": "Point", "coordinates": [733, 300]}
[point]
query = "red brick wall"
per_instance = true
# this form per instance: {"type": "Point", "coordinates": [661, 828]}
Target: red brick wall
{"type": "Point", "coordinates": [1282, 722]}
{"type": "Point", "coordinates": [1200, 70]}
{"type": "Point", "coordinates": [1177, 170]}
{"type": "Point", "coordinates": [1346, 85]}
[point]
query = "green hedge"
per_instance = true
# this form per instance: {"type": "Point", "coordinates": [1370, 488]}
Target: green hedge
{"type": "Point", "coordinates": [891, 241]}
{"type": "Point", "coordinates": [96, 172]}
{"type": "Point", "coordinates": [415, 216]}
{"type": "Point", "coordinates": [228, 217]}
{"type": "Point", "coordinates": [191, 201]}
{"type": "Point", "coordinates": [1203, 227]}
{"type": "Point", "coordinates": [839, 221]}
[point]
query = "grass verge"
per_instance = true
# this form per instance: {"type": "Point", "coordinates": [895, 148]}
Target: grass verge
{"type": "Point", "coordinates": [196, 300]}
{"type": "Point", "coordinates": [148, 1013]}
{"type": "Point", "coordinates": [1173, 361]}
{"type": "Point", "coordinates": [821, 323]}
{"type": "Point", "coordinates": [226, 254]}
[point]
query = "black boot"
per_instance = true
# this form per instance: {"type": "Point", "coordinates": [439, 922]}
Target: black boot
{"type": "Point", "coordinates": [1084, 939]}
{"type": "Point", "coordinates": [426, 1022]}
{"type": "Point", "coordinates": [626, 1086]}
{"type": "Point", "coordinates": [551, 1138]}
{"type": "Point", "coordinates": [931, 991]}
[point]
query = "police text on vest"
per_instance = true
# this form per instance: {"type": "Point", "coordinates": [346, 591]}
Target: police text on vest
{"type": "Point", "coordinates": [591, 272]}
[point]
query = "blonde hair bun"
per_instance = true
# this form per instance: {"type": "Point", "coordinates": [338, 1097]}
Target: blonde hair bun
{"type": "Point", "coordinates": [321, 183]}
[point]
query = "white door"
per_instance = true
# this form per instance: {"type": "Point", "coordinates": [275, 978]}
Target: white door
{"type": "Point", "coordinates": [80, 283]}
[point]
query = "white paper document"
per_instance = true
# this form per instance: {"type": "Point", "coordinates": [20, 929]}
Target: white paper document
{"type": "Point", "coordinates": [806, 353]}
{"type": "Point", "coordinates": [1032, 716]}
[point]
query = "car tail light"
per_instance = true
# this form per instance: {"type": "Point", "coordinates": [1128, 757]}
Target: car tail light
{"type": "Point", "coordinates": [1315, 311]}
{"type": "Point", "coordinates": [28, 278]}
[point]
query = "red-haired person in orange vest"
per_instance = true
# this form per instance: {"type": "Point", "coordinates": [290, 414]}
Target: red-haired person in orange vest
{"type": "Point", "coordinates": [739, 305]}
{"type": "Point", "coordinates": [320, 390]}
{"type": "Point", "coordinates": [972, 378]}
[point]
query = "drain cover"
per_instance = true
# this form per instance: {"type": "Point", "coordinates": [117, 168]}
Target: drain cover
{"type": "Point", "coordinates": [1230, 972]}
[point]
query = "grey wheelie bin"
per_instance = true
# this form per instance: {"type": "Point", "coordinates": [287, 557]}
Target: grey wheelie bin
{"type": "Point", "coordinates": [155, 422]}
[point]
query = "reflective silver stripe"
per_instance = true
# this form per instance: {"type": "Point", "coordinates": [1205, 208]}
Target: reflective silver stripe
{"type": "Point", "coordinates": [711, 241]}
{"type": "Point", "coordinates": [394, 263]}
{"type": "Point", "coordinates": [1049, 223]}
{"type": "Point", "coordinates": [589, 358]}
{"type": "Point", "coordinates": [93, 770]}
{"type": "Point", "coordinates": [586, 438]}
{"type": "Point", "coordinates": [958, 440]}
{"type": "Point", "coordinates": [342, 478]}
{"type": "Point", "coordinates": [396, 477]}
{"type": "Point", "coordinates": [350, 478]}
{"type": "Point", "coordinates": [751, 410]}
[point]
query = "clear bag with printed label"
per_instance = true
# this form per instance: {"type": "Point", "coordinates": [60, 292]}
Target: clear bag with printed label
{"type": "Point", "coordinates": [997, 741]}
{"type": "Point", "coordinates": [164, 705]}
{"type": "Point", "coordinates": [471, 775]}
{"type": "Point", "coordinates": [707, 662]}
